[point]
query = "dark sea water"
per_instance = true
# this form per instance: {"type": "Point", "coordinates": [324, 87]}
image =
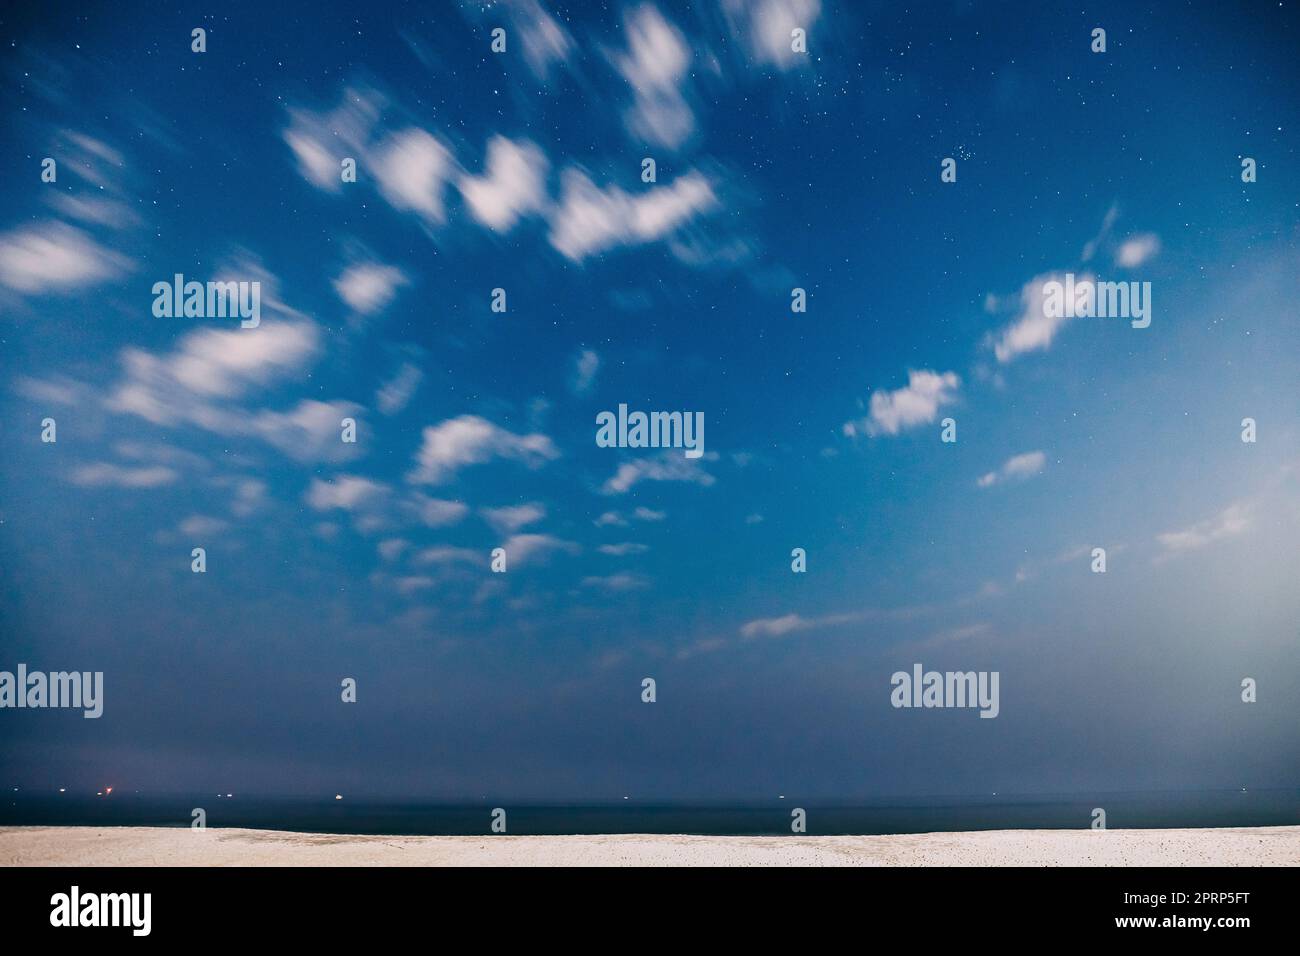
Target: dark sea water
{"type": "Point", "coordinates": [892, 815]}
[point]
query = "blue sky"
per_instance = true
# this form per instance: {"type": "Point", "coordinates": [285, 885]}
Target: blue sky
{"type": "Point", "coordinates": [476, 430]}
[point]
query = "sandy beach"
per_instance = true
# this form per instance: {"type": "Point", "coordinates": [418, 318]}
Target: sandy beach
{"type": "Point", "coordinates": [161, 846]}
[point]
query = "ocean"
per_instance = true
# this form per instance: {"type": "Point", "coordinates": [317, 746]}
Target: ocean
{"type": "Point", "coordinates": [767, 817]}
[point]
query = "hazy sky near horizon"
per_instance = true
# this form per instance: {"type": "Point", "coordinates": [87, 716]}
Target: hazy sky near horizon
{"type": "Point", "coordinates": [476, 429]}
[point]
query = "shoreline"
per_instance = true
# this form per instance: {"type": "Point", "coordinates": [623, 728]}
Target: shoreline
{"type": "Point", "coordinates": [182, 846]}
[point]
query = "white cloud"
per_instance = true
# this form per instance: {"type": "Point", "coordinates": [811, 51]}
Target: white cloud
{"type": "Point", "coordinates": [792, 624]}
{"type": "Point", "coordinates": [764, 27]}
{"type": "Point", "coordinates": [950, 636]}
{"type": "Point", "coordinates": [623, 549]}
{"type": "Point", "coordinates": [95, 210]}
{"type": "Point", "coordinates": [444, 554]}
{"type": "Point", "coordinates": [470, 440]}
{"type": "Point", "coordinates": [201, 526]}
{"type": "Point", "coordinates": [411, 168]}
{"type": "Point", "coordinates": [60, 390]}
{"type": "Point", "coordinates": [1034, 329]}
{"type": "Point", "coordinates": [1232, 521]}
{"type": "Point", "coordinates": [368, 287]}
{"type": "Point", "coordinates": [54, 257]}
{"type": "Point", "coordinates": [668, 466]}
{"type": "Point", "coordinates": [617, 582]}
{"type": "Point", "coordinates": [108, 475]}
{"type": "Point", "coordinates": [514, 185]}
{"type": "Point", "coordinates": [309, 432]}
{"type": "Point", "coordinates": [523, 547]}
{"type": "Point", "coordinates": [615, 519]}
{"type": "Point", "coordinates": [916, 404]}
{"type": "Point", "coordinates": [411, 583]}
{"type": "Point", "coordinates": [395, 394]}
{"type": "Point", "coordinates": [1017, 467]}
{"type": "Point", "coordinates": [1136, 250]}
{"type": "Point", "coordinates": [775, 626]}
{"type": "Point", "coordinates": [585, 367]}
{"type": "Point", "coordinates": [163, 453]}
{"type": "Point", "coordinates": [437, 512]}
{"type": "Point", "coordinates": [320, 142]}
{"type": "Point", "coordinates": [198, 380]}
{"type": "Point", "coordinates": [392, 548]}
{"type": "Point", "coordinates": [250, 495]}
{"type": "Point", "coordinates": [510, 519]}
{"type": "Point", "coordinates": [345, 492]}
{"type": "Point", "coordinates": [655, 65]}
{"type": "Point", "coordinates": [211, 363]}
{"type": "Point", "coordinates": [588, 220]}
{"type": "Point", "coordinates": [316, 163]}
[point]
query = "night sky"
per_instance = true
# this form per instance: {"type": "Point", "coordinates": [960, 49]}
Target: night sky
{"type": "Point", "coordinates": [775, 170]}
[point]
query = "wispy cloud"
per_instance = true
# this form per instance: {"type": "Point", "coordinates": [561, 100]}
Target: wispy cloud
{"type": "Point", "coordinates": [623, 549]}
{"type": "Point", "coordinates": [202, 526]}
{"type": "Point", "coordinates": [55, 257]}
{"type": "Point", "coordinates": [1107, 224]}
{"type": "Point", "coordinates": [345, 492]}
{"type": "Point", "coordinates": [793, 624]}
{"type": "Point", "coordinates": [545, 41]}
{"type": "Point", "coordinates": [668, 466]}
{"type": "Point", "coordinates": [585, 366]}
{"type": "Point", "coordinates": [435, 512]}
{"type": "Point", "coordinates": [396, 393]}
{"type": "Point", "coordinates": [655, 66]}
{"type": "Point", "coordinates": [471, 440]}
{"type": "Point", "coordinates": [1232, 521]}
{"type": "Point", "coordinates": [511, 518]}
{"type": "Point", "coordinates": [445, 555]}
{"type": "Point", "coordinates": [1015, 468]}
{"type": "Point", "coordinates": [525, 548]}
{"type": "Point", "coordinates": [109, 475]}
{"type": "Point", "coordinates": [617, 583]}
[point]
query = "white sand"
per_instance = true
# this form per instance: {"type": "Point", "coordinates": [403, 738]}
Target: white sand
{"type": "Point", "coordinates": [155, 846]}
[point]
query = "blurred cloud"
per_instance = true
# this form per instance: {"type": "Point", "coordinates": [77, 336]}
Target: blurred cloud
{"type": "Point", "coordinates": [1232, 521]}
{"type": "Point", "coordinates": [588, 220]}
{"type": "Point", "coordinates": [1017, 467]}
{"type": "Point", "coordinates": [1034, 329]}
{"type": "Point", "coordinates": [514, 184]}
{"type": "Point", "coordinates": [1137, 250]}
{"type": "Point", "coordinates": [916, 404]}
{"type": "Point", "coordinates": [471, 440]}
{"type": "Point", "coordinates": [55, 257]}
{"type": "Point", "coordinates": [369, 286]}
{"type": "Point", "coordinates": [655, 65]}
